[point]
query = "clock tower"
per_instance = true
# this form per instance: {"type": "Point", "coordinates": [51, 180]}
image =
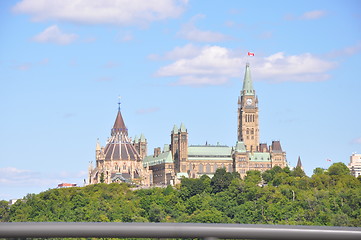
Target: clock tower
{"type": "Point", "coordinates": [248, 127]}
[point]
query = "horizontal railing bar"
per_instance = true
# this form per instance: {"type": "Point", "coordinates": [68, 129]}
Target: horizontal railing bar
{"type": "Point", "coordinates": [172, 230]}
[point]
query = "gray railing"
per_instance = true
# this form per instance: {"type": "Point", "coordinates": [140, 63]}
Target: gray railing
{"type": "Point", "coordinates": [172, 230]}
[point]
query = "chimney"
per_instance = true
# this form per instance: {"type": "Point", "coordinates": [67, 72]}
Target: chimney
{"type": "Point", "coordinates": [156, 152]}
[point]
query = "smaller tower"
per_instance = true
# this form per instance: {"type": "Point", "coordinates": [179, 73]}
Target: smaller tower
{"type": "Point", "coordinates": [174, 147]}
{"type": "Point", "coordinates": [183, 143]}
{"type": "Point", "coordinates": [299, 163]}
{"type": "Point", "coordinates": [143, 146]}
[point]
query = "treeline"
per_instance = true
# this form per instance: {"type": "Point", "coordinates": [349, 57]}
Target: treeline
{"type": "Point", "coordinates": [277, 196]}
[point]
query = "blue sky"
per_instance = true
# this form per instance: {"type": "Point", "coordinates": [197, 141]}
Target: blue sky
{"type": "Point", "coordinates": [64, 63]}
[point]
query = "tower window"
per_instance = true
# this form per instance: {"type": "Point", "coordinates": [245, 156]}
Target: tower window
{"type": "Point", "coordinates": [208, 168]}
{"type": "Point", "coordinates": [200, 168]}
{"type": "Point", "coordinates": [215, 167]}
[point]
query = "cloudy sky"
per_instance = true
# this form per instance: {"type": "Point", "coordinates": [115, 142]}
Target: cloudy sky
{"type": "Point", "coordinates": [63, 64]}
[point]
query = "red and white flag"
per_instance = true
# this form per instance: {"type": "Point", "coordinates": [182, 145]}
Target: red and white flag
{"type": "Point", "coordinates": [328, 160]}
{"type": "Point", "coordinates": [251, 54]}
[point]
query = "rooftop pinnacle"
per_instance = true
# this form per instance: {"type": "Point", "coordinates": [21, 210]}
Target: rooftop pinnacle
{"type": "Point", "coordinates": [119, 126]}
{"type": "Point", "coordinates": [247, 82]}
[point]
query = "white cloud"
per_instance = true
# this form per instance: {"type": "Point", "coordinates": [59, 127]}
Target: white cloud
{"type": "Point", "coordinates": [313, 15]}
{"type": "Point", "coordinates": [301, 68]}
{"type": "Point", "coordinates": [126, 37]}
{"type": "Point", "coordinates": [119, 12]}
{"type": "Point", "coordinates": [356, 141]}
{"type": "Point", "coordinates": [44, 61]}
{"type": "Point", "coordinates": [8, 171]}
{"type": "Point", "coordinates": [23, 67]}
{"type": "Point", "coordinates": [186, 51]}
{"type": "Point", "coordinates": [89, 39]}
{"type": "Point", "coordinates": [215, 65]}
{"type": "Point", "coordinates": [15, 177]}
{"type": "Point", "coordinates": [190, 32]}
{"type": "Point", "coordinates": [53, 35]}
{"type": "Point", "coordinates": [347, 51]}
{"type": "Point", "coordinates": [111, 64]}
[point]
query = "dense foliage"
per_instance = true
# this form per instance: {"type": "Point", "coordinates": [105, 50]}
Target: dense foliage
{"type": "Point", "coordinates": [277, 196]}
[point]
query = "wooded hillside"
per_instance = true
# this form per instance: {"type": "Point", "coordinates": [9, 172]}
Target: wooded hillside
{"type": "Point", "coordinates": [278, 196]}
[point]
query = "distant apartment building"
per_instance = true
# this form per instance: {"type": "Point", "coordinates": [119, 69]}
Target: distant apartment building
{"type": "Point", "coordinates": [355, 164]}
{"type": "Point", "coordinates": [124, 159]}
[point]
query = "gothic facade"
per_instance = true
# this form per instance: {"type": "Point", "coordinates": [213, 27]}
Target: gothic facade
{"type": "Point", "coordinates": [125, 160]}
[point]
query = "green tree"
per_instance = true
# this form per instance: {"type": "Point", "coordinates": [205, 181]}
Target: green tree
{"type": "Point", "coordinates": [209, 216]}
{"type": "Point", "coordinates": [156, 213]}
{"type": "Point", "coordinates": [191, 187]}
{"type": "Point", "coordinates": [4, 211]}
{"type": "Point", "coordinates": [318, 171]}
{"type": "Point", "coordinates": [298, 172]}
{"type": "Point", "coordinates": [253, 176]}
{"type": "Point", "coordinates": [221, 180]}
{"type": "Point", "coordinates": [338, 169]}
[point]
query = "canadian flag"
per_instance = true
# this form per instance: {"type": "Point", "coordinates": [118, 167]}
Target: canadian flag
{"type": "Point", "coordinates": [250, 54]}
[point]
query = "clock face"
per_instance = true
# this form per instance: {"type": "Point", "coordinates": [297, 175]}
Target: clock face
{"type": "Point", "coordinates": [249, 101]}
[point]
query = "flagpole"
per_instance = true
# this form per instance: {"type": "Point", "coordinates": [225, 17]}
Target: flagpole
{"type": "Point", "coordinates": [249, 54]}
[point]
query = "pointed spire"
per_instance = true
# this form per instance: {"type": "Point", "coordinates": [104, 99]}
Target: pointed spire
{"type": "Point", "coordinates": [119, 126]}
{"type": "Point", "coordinates": [247, 82]}
{"type": "Point", "coordinates": [299, 163]}
{"type": "Point", "coordinates": [175, 129]}
{"type": "Point", "coordinates": [136, 139]}
{"type": "Point", "coordinates": [142, 138]}
{"type": "Point", "coordinates": [182, 128]}
{"type": "Point", "coordinates": [97, 146]}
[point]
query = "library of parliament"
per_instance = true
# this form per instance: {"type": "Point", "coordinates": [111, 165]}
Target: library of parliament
{"type": "Point", "coordinates": [125, 160]}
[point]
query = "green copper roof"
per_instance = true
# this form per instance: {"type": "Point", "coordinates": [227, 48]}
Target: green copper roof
{"type": "Point", "coordinates": [142, 138]}
{"type": "Point", "coordinates": [240, 147]}
{"type": "Point", "coordinates": [166, 148]}
{"type": "Point", "coordinates": [259, 157]}
{"type": "Point", "coordinates": [136, 139]}
{"type": "Point", "coordinates": [183, 128]}
{"type": "Point", "coordinates": [209, 152]}
{"type": "Point", "coordinates": [247, 83]}
{"type": "Point", "coordinates": [165, 157]}
{"type": "Point", "coordinates": [175, 129]}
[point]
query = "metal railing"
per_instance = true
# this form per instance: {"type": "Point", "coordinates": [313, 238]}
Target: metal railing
{"type": "Point", "coordinates": [172, 230]}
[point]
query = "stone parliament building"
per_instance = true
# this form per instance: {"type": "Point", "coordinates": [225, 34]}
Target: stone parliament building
{"type": "Point", "coordinates": [125, 160]}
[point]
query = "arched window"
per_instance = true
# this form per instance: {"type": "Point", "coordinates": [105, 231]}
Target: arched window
{"type": "Point", "coordinates": [208, 168]}
{"type": "Point", "coordinates": [200, 168]}
{"type": "Point", "coordinates": [215, 167]}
